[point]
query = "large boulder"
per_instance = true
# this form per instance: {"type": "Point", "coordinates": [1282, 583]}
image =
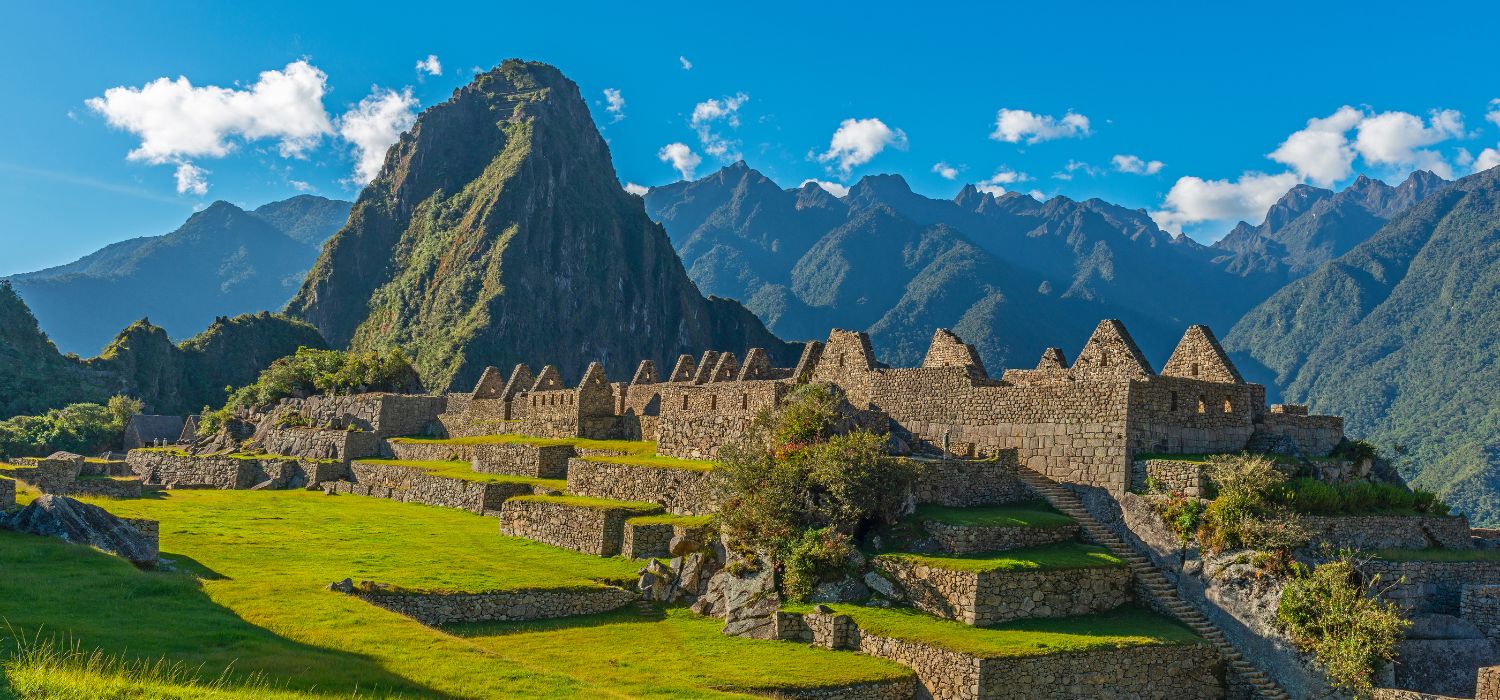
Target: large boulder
{"type": "Point", "coordinates": [81, 523]}
{"type": "Point", "coordinates": [744, 595]}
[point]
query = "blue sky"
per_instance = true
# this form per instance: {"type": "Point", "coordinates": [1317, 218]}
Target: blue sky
{"type": "Point", "coordinates": [1205, 92]}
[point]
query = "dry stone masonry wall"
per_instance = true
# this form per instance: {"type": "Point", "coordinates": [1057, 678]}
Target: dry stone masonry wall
{"type": "Point", "coordinates": [414, 485]}
{"type": "Point", "coordinates": [679, 491]}
{"type": "Point", "coordinates": [992, 597]}
{"type": "Point", "coordinates": [1373, 532]}
{"type": "Point", "coordinates": [971, 539]}
{"type": "Point", "coordinates": [501, 606]}
{"type": "Point", "coordinates": [961, 484]}
{"type": "Point", "coordinates": [597, 530]}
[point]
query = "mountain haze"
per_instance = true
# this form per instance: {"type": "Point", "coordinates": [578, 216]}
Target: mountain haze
{"type": "Point", "coordinates": [497, 232]}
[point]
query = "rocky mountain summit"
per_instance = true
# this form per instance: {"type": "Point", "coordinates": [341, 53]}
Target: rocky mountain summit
{"type": "Point", "coordinates": [497, 233]}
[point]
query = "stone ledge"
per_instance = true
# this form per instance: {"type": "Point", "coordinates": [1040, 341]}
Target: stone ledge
{"type": "Point", "coordinates": [679, 491]}
{"type": "Point", "coordinates": [587, 525]}
{"type": "Point", "coordinates": [441, 608]}
{"type": "Point", "coordinates": [983, 598]}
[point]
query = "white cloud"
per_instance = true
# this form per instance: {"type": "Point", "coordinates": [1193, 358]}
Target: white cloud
{"type": "Point", "coordinates": [945, 171]}
{"type": "Point", "coordinates": [429, 66]}
{"type": "Point", "coordinates": [1194, 200]}
{"type": "Point", "coordinates": [682, 157]}
{"type": "Point", "coordinates": [1488, 158]}
{"type": "Point", "coordinates": [707, 114]}
{"type": "Point", "coordinates": [614, 103]}
{"type": "Point", "coordinates": [176, 120]}
{"type": "Point", "coordinates": [191, 179]}
{"type": "Point", "coordinates": [1494, 113]}
{"type": "Point", "coordinates": [1017, 125]}
{"type": "Point", "coordinates": [996, 184]}
{"type": "Point", "coordinates": [373, 125]}
{"type": "Point", "coordinates": [686, 64]}
{"type": "Point", "coordinates": [1398, 139]}
{"type": "Point", "coordinates": [301, 186]}
{"type": "Point", "coordinates": [1037, 195]}
{"type": "Point", "coordinates": [1321, 151]}
{"type": "Point", "coordinates": [637, 190]}
{"type": "Point", "coordinates": [857, 141]}
{"type": "Point", "coordinates": [1135, 165]}
{"type": "Point", "coordinates": [832, 188]}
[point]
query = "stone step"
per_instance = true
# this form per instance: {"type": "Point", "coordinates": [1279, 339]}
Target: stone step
{"type": "Point", "coordinates": [589, 525]}
{"type": "Point", "coordinates": [1060, 580]}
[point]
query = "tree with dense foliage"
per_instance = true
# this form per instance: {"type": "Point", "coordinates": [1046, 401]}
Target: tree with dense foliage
{"type": "Point", "coordinates": [82, 428]}
{"type": "Point", "coordinates": [1331, 613]}
{"type": "Point", "coordinates": [801, 486]}
{"type": "Point", "coordinates": [310, 371]}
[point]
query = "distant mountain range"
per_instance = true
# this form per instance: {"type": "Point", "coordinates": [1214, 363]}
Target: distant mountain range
{"type": "Point", "coordinates": [222, 261]}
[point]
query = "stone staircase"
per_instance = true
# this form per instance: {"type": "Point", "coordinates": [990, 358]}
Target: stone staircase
{"type": "Point", "coordinates": [1153, 583]}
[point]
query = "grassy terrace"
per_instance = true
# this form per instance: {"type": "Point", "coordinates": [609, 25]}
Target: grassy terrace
{"type": "Point", "coordinates": [178, 451]}
{"type": "Point", "coordinates": [1068, 555]}
{"type": "Point", "coordinates": [463, 471]}
{"type": "Point", "coordinates": [1124, 627]}
{"type": "Point", "coordinates": [637, 452]}
{"type": "Point", "coordinates": [669, 519]}
{"type": "Point", "coordinates": [657, 461]}
{"type": "Point", "coordinates": [1037, 514]}
{"type": "Point", "coordinates": [640, 508]}
{"type": "Point", "coordinates": [1448, 555]}
{"type": "Point", "coordinates": [248, 591]}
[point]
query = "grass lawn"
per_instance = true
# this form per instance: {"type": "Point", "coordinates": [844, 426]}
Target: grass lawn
{"type": "Point", "coordinates": [463, 471]}
{"type": "Point", "coordinates": [1067, 555]}
{"type": "Point", "coordinates": [1453, 555]}
{"type": "Point", "coordinates": [669, 519]}
{"type": "Point", "coordinates": [658, 461]}
{"type": "Point", "coordinates": [1123, 627]}
{"type": "Point", "coordinates": [638, 507]}
{"type": "Point", "coordinates": [249, 592]}
{"type": "Point", "coordinates": [1037, 514]}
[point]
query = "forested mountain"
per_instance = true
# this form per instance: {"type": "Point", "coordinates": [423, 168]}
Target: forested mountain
{"type": "Point", "coordinates": [222, 261]}
{"type": "Point", "coordinates": [497, 232]}
{"type": "Point", "coordinates": [1401, 335]}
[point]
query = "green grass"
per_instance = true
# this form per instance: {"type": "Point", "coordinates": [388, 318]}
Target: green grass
{"type": "Point", "coordinates": [1123, 627]}
{"type": "Point", "coordinates": [1067, 555]}
{"type": "Point", "coordinates": [658, 461]}
{"type": "Point", "coordinates": [1449, 555]}
{"type": "Point", "coordinates": [249, 593]}
{"type": "Point", "coordinates": [463, 471]}
{"type": "Point", "coordinates": [1037, 514]}
{"type": "Point", "coordinates": [669, 519]}
{"type": "Point", "coordinates": [632, 447]}
{"type": "Point", "coordinates": [640, 507]}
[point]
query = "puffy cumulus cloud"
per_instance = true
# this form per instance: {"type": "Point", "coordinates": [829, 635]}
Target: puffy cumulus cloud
{"type": "Point", "coordinates": [712, 112]}
{"type": "Point", "coordinates": [1194, 200]}
{"type": "Point", "coordinates": [682, 157]}
{"type": "Point", "coordinates": [191, 179]}
{"type": "Point", "coordinates": [373, 125]}
{"type": "Point", "coordinates": [1321, 152]}
{"type": "Point", "coordinates": [430, 66]}
{"type": "Point", "coordinates": [637, 190]}
{"type": "Point", "coordinates": [686, 64]}
{"type": "Point", "coordinates": [300, 185]}
{"type": "Point", "coordinates": [997, 183]}
{"type": "Point", "coordinates": [1076, 166]}
{"type": "Point", "coordinates": [832, 188]}
{"type": "Point", "coordinates": [1399, 139]}
{"type": "Point", "coordinates": [1136, 165]}
{"type": "Point", "coordinates": [176, 120]}
{"type": "Point", "coordinates": [1017, 125]}
{"type": "Point", "coordinates": [1494, 114]}
{"type": "Point", "coordinates": [1488, 158]}
{"type": "Point", "coordinates": [614, 103]}
{"type": "Point", "coordinates": [945, 171]}
{"type": "Point", "coordinates": [858, 141]}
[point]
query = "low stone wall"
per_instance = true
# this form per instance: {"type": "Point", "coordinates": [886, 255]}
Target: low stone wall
{"type": "Point", "coordinates": [679, 491]}
{"type": "Point", "coordinates": [501, 606]}
{"type": "Point", "coordinates": [969, 539]}
{"type": "Point", "coordinates": [1479, 605]}
{"type": "Point", "coordinates": [1431, 586]}
{"type": "Point", "coordinates": [1390, 531]}
{"type": "Point", "coordinates": [644, 540]}
{"type": "Point", "coordinates": [591, 530]}
{"type": "Point", "coordinates": [961, 483]}
{"type": "Point", "coordinates": [993, 597]}
{"type": "Point", "coordinates": [542, 461]}
{"type": "Point", "coordinates": [428, 451]}
{"type": "Point", "coordinates": [173, 469]}
{"type": "Point", "coordinates": [1169, 476]}
{"type": "Point", "coordinates": [106, 487]}
{"type": "Point", "coordinates": [386, 415]}
{"type": "Point", "coordinates": [150, 532]}
{"type": "Point", "coordinates": [315, 443]}
{"type": "Point", "coordinates": [897, 689]}
{"type": "Point", "coordinates": [413, 485]}
{"type": "Point", "coordinates": [7, 493]}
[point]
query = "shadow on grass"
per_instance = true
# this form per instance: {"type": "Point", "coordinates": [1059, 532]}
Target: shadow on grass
{"type": "Point", "coordinates": [79, 595]}
{"type": "Point", "coordinates": [635, 613]}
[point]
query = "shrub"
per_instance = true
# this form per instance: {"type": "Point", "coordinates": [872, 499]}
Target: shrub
{"type": "Point", "coordinates": [1315, 497]}
{"type": "Point", "coordinates": [815, 556]}
{"type": "Point", "coordinates": [1248, 507]}
{"type": "Point", "coordinates": [1183, 516]}
{"type": "Point", "coordinates": [310, 371]}
{"type": "Point", "coordinates": [1355, 451]}
{"type": "Point", "coordinates": [1318, 498]}
{"type": "Point", "coordinates": [82, 427]}
{"type": "Point", "coordinates": [1329, 614]}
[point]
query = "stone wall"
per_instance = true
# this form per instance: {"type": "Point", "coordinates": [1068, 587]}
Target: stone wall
{"type": "Point", "coordinates": [895, 689]}
{"type": "Point", "coordinates": [501, 606]}
{"type": "Point", "coordinates": [591, 530]}
{"type": "Point", "coordinates": [150, 533]}
{"type": "Point", "coordinates": [1390, 531]}
{"type": "Point", "coordinates": [992, 597]}
{"type": "Point", "coordinates": [1180, 415]}
{"type": "Point", "coordinates": [321, 443]}
{"type": "Point", "coordinates": [428, 451]}
{"type": "Point", "coordinates": [643, 540]}
{"type": "Point", "coordinates": [543, 461]}
{"type": "Point", "coordinates": [104, 486]}
{"type": "Point", "coordinates": [7, 493]}
{"type": "Point", "coordinates": [1478, 604]}
{"type": "Point", "coordinates": [1169, 476]}
{"type": "Point", "coordinates": [971, 539]}
{"type": "Point", "coordinates": [697, 419]}
{"type": "Point", "coordinates": [1314, 436]}
{"type": "Point", "coordinates": [387, 415]}
{"type": "Point", "coordinates": [679, 491]}
{"type": "Point", "coordinates": [962, 483]}
{"type": "Point", "coordinates": [174, 469]}
{"type": "Point", "coordinates": [413, 485]}
{"type": "Point", "coordinates": [1431, 586]}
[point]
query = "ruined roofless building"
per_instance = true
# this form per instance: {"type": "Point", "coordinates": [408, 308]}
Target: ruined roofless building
{"type": "Point", "coordinates": [1080, 422]}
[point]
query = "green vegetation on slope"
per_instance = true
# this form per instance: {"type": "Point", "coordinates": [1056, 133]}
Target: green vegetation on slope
{"type": "Point", "coordinates": [250, 592]}
{"type": "Point", "coordinates": [81, 428]}
{"type": "Point", "coordinates": [1066, 555]}
{"type": "Point", "coordinates": [311, 371]}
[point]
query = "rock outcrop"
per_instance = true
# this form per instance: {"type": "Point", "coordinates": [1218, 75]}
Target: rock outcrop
{"type": "Point", "coordinates": [82, 523]}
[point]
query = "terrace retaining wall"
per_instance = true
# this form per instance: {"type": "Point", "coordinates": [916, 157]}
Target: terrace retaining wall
{"type": "Point", "coordinates": [1390, 531]}
{"type": "Point", "coordinates": [501, 606]}
{"type": "Point", "coordinates": [542, 461]}
{"type": "Point", "coordinates": [318, 443]}
{"type": "Point", "coordinates": [7, 493]}
{"type": "Point", "coordinates": [970, 539]}
{"type": "Point", "coordinates": [413, 485]}
{"type": "Point", "coordinates": [598, 531]}
{"type": "Point", "coordinates": [993, 597]}
{"type": "Point", "coordinates": [1421, 587]}
{"type": "Point", "coordinates": [960, 483]}
{"type": "Point", "coordinates": [679, 491]}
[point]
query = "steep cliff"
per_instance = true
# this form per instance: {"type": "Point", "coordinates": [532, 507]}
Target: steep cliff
{"type": "Point", "coordinates": [497, 232]}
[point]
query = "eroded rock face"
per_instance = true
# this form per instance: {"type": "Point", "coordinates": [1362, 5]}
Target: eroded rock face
{"type": "Point", "coordinates": [747, 600]}
{"type": "Point", "coordinates": [82, 523]}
